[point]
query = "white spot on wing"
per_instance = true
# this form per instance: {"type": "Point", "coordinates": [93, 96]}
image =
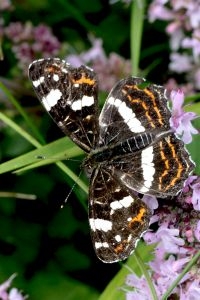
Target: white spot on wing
{"type": "Point", "coordinates": [100, 224]}
{"type": "Point", "coordinates": [85, 101]}
{"type": "Point", "coordinates": [148, 168]}
{"type": "Point", "coordinates": [64, 70]}
{"type": "Point", "coordinates": [118, 238]}
{"type": "Point", "coordinates": [36, 83]}
{"type": "Point", "coordinates": [55, 77]}
{"type": "Point", "coordinates": [100, 245]}
{"type": "Point", "coordinates": [76, 105]}
{"type": "Point", "coordinates": [127, 114]}
{"type": "Point", "coordinates": [51, 99]}
{"type": "Point", "coordinates": [125, 202]}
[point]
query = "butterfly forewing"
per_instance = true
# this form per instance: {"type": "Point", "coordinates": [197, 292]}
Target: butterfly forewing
{"type": "Point", "coordinates": [70, 97]}
{"type": "Point", "coordinates": [133, 107]}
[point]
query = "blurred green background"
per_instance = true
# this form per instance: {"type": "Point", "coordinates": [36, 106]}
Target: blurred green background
{"type": "Point", "coordinates": [48, 247]}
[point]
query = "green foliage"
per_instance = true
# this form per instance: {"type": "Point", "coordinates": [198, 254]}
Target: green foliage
{"type": "Point", "coordinates": [49, 247]}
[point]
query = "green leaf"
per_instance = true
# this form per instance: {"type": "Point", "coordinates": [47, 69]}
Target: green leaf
{"type": "Point", "coordinates": [192, 107]}
{"type": "Point", "coordinates": [193, 149]}
{"type": "Point", "coordinates": [114, 289]}
{"type": "Point", "coordinates": [26, 160]}
{"type": "Point", "coordinates": [63, 148]}
{"type": "Point", "coordinates": [19, 130]}
{"type": "Point", "coordinates": [51, 286]}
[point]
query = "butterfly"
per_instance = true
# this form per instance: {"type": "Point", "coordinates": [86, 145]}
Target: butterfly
{"type": "Point", "coordinates": [130, 148]}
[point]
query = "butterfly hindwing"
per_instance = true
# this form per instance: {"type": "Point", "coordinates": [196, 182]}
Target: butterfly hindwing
{"type": "Point", "coordinates": [117, 218]}
{"type": "Point", "coordinates": [156, 169]}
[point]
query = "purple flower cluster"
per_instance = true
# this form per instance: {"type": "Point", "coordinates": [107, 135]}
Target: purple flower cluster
{"type": "Point", "coordinates": [29, 42]}
{"type": "Point", "coordinates": [13, 293]}
{"type": "Point", "coordinates": [5, 5]}
{"type": "Point", "coordinates": [109, 69]}
{"type": "Point", "coordinates": [177, 240]}
{"type": "Point", "coordinates": [183, 19]}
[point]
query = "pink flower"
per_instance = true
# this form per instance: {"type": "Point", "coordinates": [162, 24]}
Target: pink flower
{"type": "Point", "coordinates": [197, 231]}
{"type": "Point", "coordinates": [196, 195]}
{"type": "Point", "coordinates": [141, 288]}
{"type": "Point", "coordinates": [193, 43]}
{"type": "Point", "coordinates": [180, 4]}
{"type": "Point", "coordinates": [197, 78]}
{"type": "Point", "coordinates": [192, 291]}
{"type": "Point", "coordinates": [13, 294]}
{"type": "Point", "coordinates": [18, 32]}
{"type": "Point", "coordinates": [180, 120]}
{"type": "Point", "coordinates": [5, 5]}
{"type": "Point", "coordinates": [168, 239]}
{"type": "Point", "coordinates": [168, 270]}
{"type": "Point", "coordinates": [176, 38]}
{"type": "Point", "coordinates": [180, 62]}
{"type": "Point", "coordinates": [158, 11]}
{"type": "Point", "coordinates": [188, 183]}
{"type": "Point", "coordinates": [30, 42]}
{"type": "Point", "coordinates": [187, 88]}
{"type": "Point", "coordinates": [151, 201]}
{"type": "Point", "coordinates": [96, 52]}
{"type": "Point", "coordinates": [176, 241]}
{"type": "Point", "coordinates": [194, 14]}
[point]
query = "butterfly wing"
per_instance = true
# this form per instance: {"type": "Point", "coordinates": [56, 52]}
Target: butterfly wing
{"type": "Point", "coordinates": [117, 218]}
{"type": "Point", "coordinates": [159, 169]}
{"type": "Point", "coordinates": [70, 97]}
{"type": "Point", "coordinates": [146, 156]}
{"type": "Point", "coordinates": [133, 107]}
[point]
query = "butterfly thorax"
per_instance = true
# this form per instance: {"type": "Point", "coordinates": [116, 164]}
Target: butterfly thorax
{"type": "Point", "coordinates": [109, 154]}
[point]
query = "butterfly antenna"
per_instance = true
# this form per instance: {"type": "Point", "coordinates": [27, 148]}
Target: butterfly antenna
{"type": "Point", "coordinates": [43, 157]}
{"type": "Point", "coordinates": [71, 190]}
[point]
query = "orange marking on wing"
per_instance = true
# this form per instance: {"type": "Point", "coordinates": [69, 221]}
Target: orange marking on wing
{"type": "Point", "coordinates": [138, 218]}
{"type": "Point", "coordinates": [83, 79]}
{"type": "Point", "coordinates": [179, 168]}
{"type": "Point", "coordinates": [166, 161]}
{"type": "Point", "coordinates": [119, 248]}
{"type": "Point", "coordinates": [50, 69]}
{"type": "Point", "coordinates": [152, 97]}
{"type": "Point", "coordinates": [145, 107]}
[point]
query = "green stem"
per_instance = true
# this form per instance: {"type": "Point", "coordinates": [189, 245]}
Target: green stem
{"type": "Point", "coordinates": [179, 278]}
{"type": "Point", "coordinates": [137, 21]}
{"type": "Point", "coordinates": [23, 113]}
{"type": "Point", "coordinates": [17, 195]}
{"type": "Point", "coordinates": [145, 272]}
{"type": "Point", "coordinates": [35, 143]}
{"type": "Point", "coordinates": [19, 130]}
